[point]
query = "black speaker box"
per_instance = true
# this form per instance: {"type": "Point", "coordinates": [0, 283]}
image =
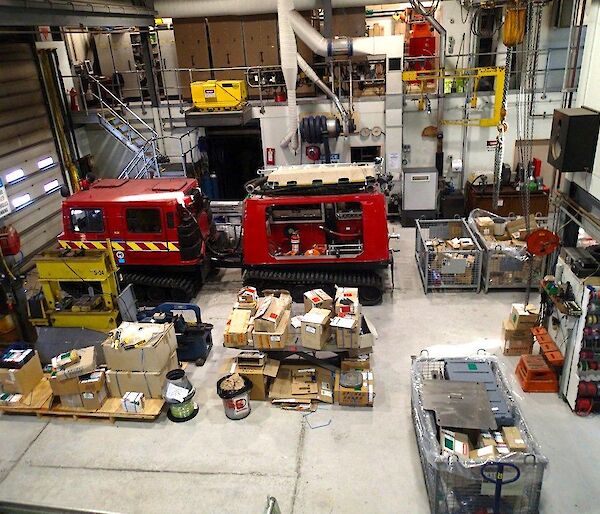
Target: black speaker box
{"type": "Point", "coordinates": [573, 140]}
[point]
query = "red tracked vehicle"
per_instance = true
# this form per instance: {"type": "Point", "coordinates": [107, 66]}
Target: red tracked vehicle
{"type": "Point", "coordinates": [160, 231]}
{"type": "Point", "coordinates": [317, 226]}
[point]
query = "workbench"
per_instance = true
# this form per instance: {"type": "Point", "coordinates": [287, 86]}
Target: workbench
{"type": "Point", "coordinates": [482, 197]}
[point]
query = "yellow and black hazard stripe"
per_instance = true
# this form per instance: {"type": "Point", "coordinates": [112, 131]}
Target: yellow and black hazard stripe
{"type": "Point", "coordinates": [130, 246]}
{"type": "Point", "coordinates": [83, 245]}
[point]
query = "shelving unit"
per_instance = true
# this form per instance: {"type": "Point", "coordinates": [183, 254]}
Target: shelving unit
{"type": "Point", "coordinates": [572, 334]}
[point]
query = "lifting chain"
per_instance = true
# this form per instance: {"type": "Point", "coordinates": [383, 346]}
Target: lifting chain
{"type": "Point", "coordinates": [499, 153]}
{"type": "Point", "coordinates": [530, 82]}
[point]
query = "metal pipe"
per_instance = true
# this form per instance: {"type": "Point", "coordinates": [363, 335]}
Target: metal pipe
{"type": "Point", "coordinates": [310, 73]}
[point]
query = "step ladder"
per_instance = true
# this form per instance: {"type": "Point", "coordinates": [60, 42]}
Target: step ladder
{"type": "Point", "coordinates": [535, 376]}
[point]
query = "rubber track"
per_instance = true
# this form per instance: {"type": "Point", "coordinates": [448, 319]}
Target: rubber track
{"type": "Point", "coordinates": [289, 279]}
{"type": "Point", "coordinates": [185, 284]}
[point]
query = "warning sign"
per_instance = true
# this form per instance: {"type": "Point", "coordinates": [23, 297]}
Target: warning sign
{"type": "Point", "coordinates": [491, 145]}
{"type": "Point", "coordinates": [4, 203]}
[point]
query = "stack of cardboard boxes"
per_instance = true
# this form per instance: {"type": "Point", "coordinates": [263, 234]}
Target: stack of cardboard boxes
{"type": "Point", "coordinates": [20, 373]}
{"type": "Point", "coordinates": [262, 323]}
{"type": "Point", "coordinates": [76, 380]}
{"type": "Point", "coordinates": [138, 357]}
{"type": "Point", "coordinates": [482, 445]}
{"type": "Point", "coordinates": [518, 339]}
{"type": "Point", "coordinates": [330, 324]}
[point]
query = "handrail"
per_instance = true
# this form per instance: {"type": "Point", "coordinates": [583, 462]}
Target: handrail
{"type": "Point", "coordinates": [124, 120]}
{"type": "Point", "coordinates": [120, 102]}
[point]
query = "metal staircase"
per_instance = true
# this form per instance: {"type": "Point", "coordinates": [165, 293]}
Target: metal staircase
{"type": "Point", "coordinates": [118, 120]}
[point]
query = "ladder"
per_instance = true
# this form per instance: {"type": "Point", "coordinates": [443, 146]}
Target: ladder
{"type": "Point", "coordinates": [118, 120]}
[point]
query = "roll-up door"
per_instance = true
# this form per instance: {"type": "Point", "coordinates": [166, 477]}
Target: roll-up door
{"type": "Point", "coordinates": [30, 169]}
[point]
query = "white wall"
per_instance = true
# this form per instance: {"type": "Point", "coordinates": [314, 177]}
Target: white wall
{"type": "Point", "coordinates": [589, 92]}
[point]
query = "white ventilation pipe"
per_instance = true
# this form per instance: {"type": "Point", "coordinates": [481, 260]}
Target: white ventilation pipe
{"type": "Point", "coordinates": [197, 8]}
{"type": "Point", "coordinates": [310, 73]}
{"type": "Point", "coordinates": [289, 67]}
{"type": "Point", "coordinates": [328, 47]}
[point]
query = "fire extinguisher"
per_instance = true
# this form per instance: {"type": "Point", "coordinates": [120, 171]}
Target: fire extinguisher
{"type": "Point", "coordinates": [295, 240]}
{"type": "Point", "coordinates": [74, 100]}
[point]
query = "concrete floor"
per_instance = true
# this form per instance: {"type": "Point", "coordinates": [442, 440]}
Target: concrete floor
{"type": "Point", "coordinates": [365, 461]}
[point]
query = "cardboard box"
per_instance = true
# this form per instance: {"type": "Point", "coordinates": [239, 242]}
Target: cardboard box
{"type": "Point", "coordinates": [346, 301]}
{"type": "Point", "coordinates": [269, 312]}
{"type": "Point", "coordinates": [514, 439]}
{"type": "Point", "coordinates": [487, 452]}
{"type": "Point", "coordinates": [281, 388]}
{"type": "Point", "coordinates": [236, 328]}
{"type": "Point", "coordinates": [368, 334]}
{"type": "Point", "coordinates": [317, 298]}
{"type": "Point", "coordinates": [133, 401]}
{"type": "Point", "coordinates": [10, 399]}
{"type": "Point", "coordinates": [346, 330]}
{"type": "Point", "coordinates": [515, 226]}
{"type": "Point", "coordinates": [485, 439]}
{"type": "Point", "coordinates": [92, 389]}
{"type": "Point", "coordinates": [71, 401]}
{"type": "Point", "coordinates": [457, 443]}
{"type": "Point", "coordinates": [356, 397]}
{"type": "Point", "coordinates": [280, 338]}
{"type": "Point", "coordinates": [485, 225]}
{"type": "Point", "coordinates": [66, 387]}
{"type": "Point", "coordinates": [148, 382]}
{"type": "Point", "coordinates": [510, 331]}
{"type": "Point", "coordinates": [522, 316]}
{"type": "Point", "coordinates": [86, 364]}
{"type": "Point", "coordinates": [304, 381]}
{"type": "Point", "coordinates": [315, 330]}
{"type": "Point", "coordinates": [158, 344]}
{"type": "Point", "coordinates": [22, 381]}
{"type": "Point", "coordinates": [260, 376]}
{"type": "Point", "coordinates": [360, 363]}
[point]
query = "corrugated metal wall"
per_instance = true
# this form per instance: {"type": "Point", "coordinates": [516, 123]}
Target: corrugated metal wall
{"type": "Point", "coordinates": [30, 169]}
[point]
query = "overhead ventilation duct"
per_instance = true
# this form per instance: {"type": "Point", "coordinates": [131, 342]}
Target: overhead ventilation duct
{"type": "Point", "coordinates": [289, 67]}
{"type": "Point", "coordinates": [195, 8]}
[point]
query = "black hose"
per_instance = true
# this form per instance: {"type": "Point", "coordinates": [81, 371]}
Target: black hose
{"type": "Point", "coordinates": [254, 184]}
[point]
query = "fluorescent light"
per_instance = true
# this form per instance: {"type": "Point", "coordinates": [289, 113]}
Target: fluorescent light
{"type": "Point", "coordinates": [21, 200]}
{"type": "Point", "coordinates": [14, 175]}
{"type": "Point", "coordinates": [50, 186]}
{"type": "Point", "coordinates": [44, 163]}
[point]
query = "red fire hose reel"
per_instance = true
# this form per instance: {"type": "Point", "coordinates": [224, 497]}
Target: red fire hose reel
{"type": "Point", "coordinates": [542, 242]}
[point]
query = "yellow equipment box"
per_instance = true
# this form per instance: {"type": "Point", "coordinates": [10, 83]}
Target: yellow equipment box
{"type": "Point", "coordinates": [219, 94]}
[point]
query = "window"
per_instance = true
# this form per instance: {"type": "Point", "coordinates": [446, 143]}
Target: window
{"type": "Point", "coordinates": [14, 175]}
{"type": "Point", "coordinates": [143, 221]}
{"type": "Point", "coordinates": [44, 163]}
{"type": "Point", "coordinates": [50, 186]}
{"type": "Point", "coordinates": [21, 200]}
{"type": "Point", "coordinates": [87, 220]}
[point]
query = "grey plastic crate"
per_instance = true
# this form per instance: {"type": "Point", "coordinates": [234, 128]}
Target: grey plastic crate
{"type": "Point", "coordinates": [448, 269]}
{"type": "Point", "coordinates": [456, 486]}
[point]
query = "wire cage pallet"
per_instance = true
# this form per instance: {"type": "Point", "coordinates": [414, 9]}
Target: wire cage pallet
{"type": "Point", "coordinates": [501, 270]}
{"type": "Point", "coordinates": [443, 265]}
{"type": "Point", "coordinates": [457, 486]}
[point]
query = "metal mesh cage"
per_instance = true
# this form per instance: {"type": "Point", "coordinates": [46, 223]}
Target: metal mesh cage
{"type": "Point", "coordinates": [457, 486]}
{"type": "Point", "coordinates": [448, 255]}
{"type": "Point", "coordinates": [501, 270]}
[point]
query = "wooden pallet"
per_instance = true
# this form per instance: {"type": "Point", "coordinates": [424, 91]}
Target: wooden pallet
{"type": "Point", "coordinates": [42, 403]}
